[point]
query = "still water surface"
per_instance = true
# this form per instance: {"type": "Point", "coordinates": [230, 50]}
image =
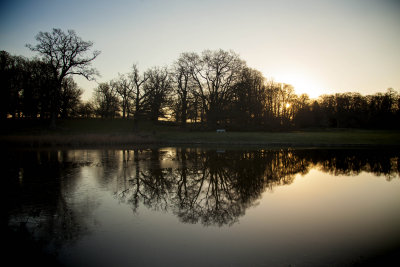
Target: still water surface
{"type": "Point", "coordinates": [205, 207]}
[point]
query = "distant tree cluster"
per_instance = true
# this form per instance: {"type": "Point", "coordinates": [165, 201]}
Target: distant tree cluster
{"type": "Point", "coordinates": [209, 90]}
{"type": "Point", "coordinates": [28, 90]}
{"type": "Point", "coordinates": [217, 89]}
{"type": "Point", "coordinates": [43, 87]}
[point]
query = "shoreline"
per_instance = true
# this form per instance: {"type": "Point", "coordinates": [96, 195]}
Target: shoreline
{"type": "Point", "coordinates": [346, 139]}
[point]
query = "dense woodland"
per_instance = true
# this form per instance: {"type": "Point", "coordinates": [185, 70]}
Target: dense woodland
{"type": "Point", "coordinates": [212, 89]}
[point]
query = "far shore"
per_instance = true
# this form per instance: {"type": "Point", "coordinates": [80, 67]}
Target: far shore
{"type": "Point", "coordinates": [329, 138]}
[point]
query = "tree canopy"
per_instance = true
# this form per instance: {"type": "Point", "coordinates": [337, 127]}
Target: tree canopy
{"type": "Point", "coordinates": [209, 90]}
{"type": "Point", "coordinates": [66, 54]}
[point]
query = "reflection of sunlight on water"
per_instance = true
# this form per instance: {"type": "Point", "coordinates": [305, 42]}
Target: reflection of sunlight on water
{"type": "Point", "coordinates": [21, 175]}
{"type": "Point", "coordinates": [168, 152]}
{"type": "Point", "coordinates": [276, 207]}
{"type": "Point", "coordinates": [344, 213]}
{"type": "Point", "coordinates": [320, 190]}
{"type": "Point", "coordinates": [168, 159]}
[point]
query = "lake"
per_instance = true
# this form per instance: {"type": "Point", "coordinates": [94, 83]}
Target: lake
{"type": "Point", "coordinates": [202, 207]}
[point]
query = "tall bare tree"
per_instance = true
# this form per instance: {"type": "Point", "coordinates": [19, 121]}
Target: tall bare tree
{"type": "Point", "coordinates": [182, 75]}
{"type": "Point", "coordinates": [69, 97]}
{"type": "Point", "coordinates": [215, 75]}
{"type": "Point", "coordinates": [249, 99]}
{"type": "Point", "coordinates": [67, 54]}
{"type": "Point", "coordinates": [157, 91]}
{"type": "Point", "coordinates": [106, 101]}
{"type": "Point", "coordinates": [138, 92]}
{"type": "Point", "coordinates": [124, 87]}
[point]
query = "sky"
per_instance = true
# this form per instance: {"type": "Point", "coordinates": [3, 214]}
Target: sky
{"type": "Point", "coordinates": [318, 46]}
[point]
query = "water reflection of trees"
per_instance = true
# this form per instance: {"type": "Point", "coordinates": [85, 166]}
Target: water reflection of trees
{"type": "Point", "coordinates": [46, 208]}
{"type": "Point", "coordinates": [216, 187]}
{"type": "Point", "coordinates": [38, 209]}
{"type": "Point", "coordinates": [197, 185]}
{"type": "Point", "coordinates": [353, 162]}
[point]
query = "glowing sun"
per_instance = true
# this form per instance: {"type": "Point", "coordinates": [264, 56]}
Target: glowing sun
{"type": "Point", "coordinates": [302, 84]}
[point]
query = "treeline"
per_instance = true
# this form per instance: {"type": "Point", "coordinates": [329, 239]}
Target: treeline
{"type": "Point", "coordinates": [217, 89]}
{"type": "Point", "coordinates": [214, 89]}
{"type": "Point", "coordinates": [27, 89]}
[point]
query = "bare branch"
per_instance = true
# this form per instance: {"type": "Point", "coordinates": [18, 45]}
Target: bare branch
{"type": "Point", "coordinates": [67, 53]}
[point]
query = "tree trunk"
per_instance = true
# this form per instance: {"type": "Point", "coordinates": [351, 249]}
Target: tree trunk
{"type": "Point", "coordinates": [184, 112]}
{"type": "Point", "coordinates": [136, 115]}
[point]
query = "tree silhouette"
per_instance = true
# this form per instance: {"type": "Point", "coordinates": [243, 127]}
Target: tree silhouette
{"type": "Point", "coordinates": [66, 53]}
{"type": "Point", "coordinates": [13, 73]}
{"type": "Point", "coordinates": [215, 76]}
{"type": "Point", "coordinates": [182, 74]}
{"type": "Point", "coordinates": [211, 89]}
{"type": "Point", "coordinates": [248, 100]}
{"type": "Point", "coordinates": [197, 185]}
{"type": "Point", "coordinates": [69, 97]}
{"type": "Point", "coordinates": [123, 86]}
{"type": "Point", "coordinates": [157, 90]}
{"type": "Point", "coordinates": [106, 101]}
{"type": "Point", "coordinates": [36, 97]}
{"type": "Point", "coordinates": [212, 188]}
{"type": "Point", "coordinates": [138, 92]}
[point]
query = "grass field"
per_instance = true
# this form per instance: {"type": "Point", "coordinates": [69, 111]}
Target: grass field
{"type": "Point", "coordinates": [96, 132]}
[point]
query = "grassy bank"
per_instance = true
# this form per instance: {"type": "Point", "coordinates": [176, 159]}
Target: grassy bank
{"type": "Point", "coordinates": [79, 133]}
{"type": "Point", "coordinates": [298, 138]}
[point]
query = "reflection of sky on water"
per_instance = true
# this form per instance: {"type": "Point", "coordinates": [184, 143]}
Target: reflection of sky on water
{"type": "Point", "coordinates": [303, 215]}
{"type": "Point", "coordinates": [318, 214]}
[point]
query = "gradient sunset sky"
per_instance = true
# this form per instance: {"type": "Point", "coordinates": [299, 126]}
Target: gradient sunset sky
{"type": "Point", "coordinates": [317, 46]}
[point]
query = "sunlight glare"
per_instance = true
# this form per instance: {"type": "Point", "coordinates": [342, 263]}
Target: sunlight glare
{"type": "Point", "coordinates": [302, 84]}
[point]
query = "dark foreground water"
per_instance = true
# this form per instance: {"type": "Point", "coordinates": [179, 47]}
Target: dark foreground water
{"type": "Point", "coordinates": [201, 207]}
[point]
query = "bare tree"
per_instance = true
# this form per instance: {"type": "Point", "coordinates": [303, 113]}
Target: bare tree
{"type": "Point", "coordinates": [138, 93]}
{"type": "Point", "coordinates": [67, 54]}
{"type": "Point", "coordinates": [105, 101]}
{"type": "Point", "coordinates": [12, 78]}
{"type": "Point", "coordinates": [86, 110]}
{"type": "Point", "coordinates": [69, 97]}
{"type": "Point", "coordinates": [182, 75]}
{"type": "Point", "coordinates": [157, 89]}
{"type": "Point", "coordinates": [248, 101]}
{"type": "Point", "coordinates": [286, 99]}
{"type": "Point", "coordinates": [215, 74]}
{"type": "Point", "coordinates": [124, 87]}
